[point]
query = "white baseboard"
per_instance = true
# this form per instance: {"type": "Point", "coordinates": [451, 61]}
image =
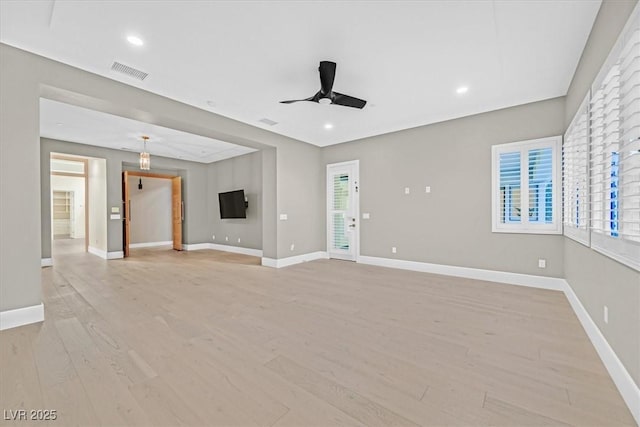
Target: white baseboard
{"type": "Point", "coordinates": [225, 248]}
{"type": "Point", "coordinates": [46, 262]}
{"type": "Point", "coordinates": [236, 249]}
{"type": "Point", "coordinates": [623, 381]}
{"type": "Point", "coordinates": [285, 262]}
{"type": "Point", "coordinates": [626, 386]}
{"type": "Point", "coordinates": [150, 244]}
{"type": "Point", "coordinates": [105, 255]}
{"type": "Point", "coordinates": [115, 255]}
{"type": "Point", "coordinates": [542, 282]}
{"type": "Point", "coordinates": [21, 316]}
{"type": "Point", "coordinates": [195, 246]}
{"type": "Point", "coordinates": [97, 252]}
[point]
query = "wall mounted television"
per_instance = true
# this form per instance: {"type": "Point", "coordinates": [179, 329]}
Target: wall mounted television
{"type": "Point", "coordinates": [232, 204]}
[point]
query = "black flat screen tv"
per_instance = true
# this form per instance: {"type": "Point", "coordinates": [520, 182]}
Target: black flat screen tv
{"type": "Point", "coordinates": [232, 204]}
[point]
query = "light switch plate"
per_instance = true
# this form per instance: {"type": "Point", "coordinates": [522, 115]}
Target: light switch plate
{"type": "Point", "coordinates": [407, 190]}
{"type": "Point", "coordinates": [366, 215]}
{"type": "Point", "coordinates": [283, 217]}
{"type": "Point", "coordinates": [427, 189]}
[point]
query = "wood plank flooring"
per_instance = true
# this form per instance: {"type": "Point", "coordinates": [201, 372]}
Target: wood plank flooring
{"type": "Point", "coordinates": [212, 338]}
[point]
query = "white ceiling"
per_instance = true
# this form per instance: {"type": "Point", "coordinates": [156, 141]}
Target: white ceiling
{"type": "Point", "coordinates": [70, 123]}
{"type": "Point", "coordinates": [239, 58]}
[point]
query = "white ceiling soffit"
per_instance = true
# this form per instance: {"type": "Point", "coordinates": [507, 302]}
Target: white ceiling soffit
{"type": "Point", "coordinates": [240, 58]}
{"type": "Point", "coordinates": [70, 123]}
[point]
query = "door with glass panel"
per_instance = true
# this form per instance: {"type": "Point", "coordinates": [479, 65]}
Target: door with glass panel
{"type": "Point", "coordinates": [342, 210]}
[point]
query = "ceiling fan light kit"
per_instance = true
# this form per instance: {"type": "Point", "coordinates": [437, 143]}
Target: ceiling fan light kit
{"type": "Point", "coordinates": [326, 95]}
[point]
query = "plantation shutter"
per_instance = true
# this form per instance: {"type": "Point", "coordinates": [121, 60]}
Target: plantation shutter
{"type": "Point", "coordinates": [615, 152]}
{"type": "Point", "coordinates": [575, 172]}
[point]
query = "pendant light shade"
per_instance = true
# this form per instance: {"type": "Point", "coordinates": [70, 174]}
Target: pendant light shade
{"type": "Point", "coordinates": [145, 157]}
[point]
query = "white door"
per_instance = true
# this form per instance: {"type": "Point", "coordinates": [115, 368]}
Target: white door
{"type": "Point", "coordinates": [343, 226]}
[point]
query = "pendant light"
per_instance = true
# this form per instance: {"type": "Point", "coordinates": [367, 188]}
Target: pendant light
{"type": "Point", "coordinates": [145, 157]}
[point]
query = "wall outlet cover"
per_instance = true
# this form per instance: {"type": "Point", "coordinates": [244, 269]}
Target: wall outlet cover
{"type": "Point", "coordinates": [366, 215]}
{"type": "Point", "coordinates": [393, 250]}
{"type": "Point", "coordinates": [407, 190]}
{"type": "Point", "coordinates": [283, 217]}
{"type": "Point", "coordinates": [427, 189]}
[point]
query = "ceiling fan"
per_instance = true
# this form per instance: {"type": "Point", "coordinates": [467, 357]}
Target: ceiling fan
{"type": "Point", "coordinates": [326, 95]}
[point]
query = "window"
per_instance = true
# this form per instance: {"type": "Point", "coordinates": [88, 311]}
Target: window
{"type": "Point", "coordinates": [575, 176]}
{"type": "Point", "coordinates": [526, 183]}
{"type": "Point", "coordinates": [614, 165]}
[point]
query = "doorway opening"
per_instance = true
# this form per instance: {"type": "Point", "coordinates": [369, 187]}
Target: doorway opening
{"type": "Point", "coordinates": [177, 207]}
{"type": "Point", "coordinates": [69, 203]}
{"type": "Point", "coordinates": [343, 207]}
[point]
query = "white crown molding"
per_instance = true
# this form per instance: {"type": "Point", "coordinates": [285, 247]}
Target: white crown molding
{"type": "Point", "coordinates": [21, 316]}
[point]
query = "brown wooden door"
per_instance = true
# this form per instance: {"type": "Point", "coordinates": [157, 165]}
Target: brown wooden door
{"type": "Point", "coordinates": [126, 214]}
{"type": "Point", "coordinates": [177, 211]}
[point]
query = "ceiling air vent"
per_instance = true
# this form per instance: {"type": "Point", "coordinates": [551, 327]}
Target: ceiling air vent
{"type": "Point", "coordinates": [268, 121]}
{"type": "Point", "coordinates": [129, 71]}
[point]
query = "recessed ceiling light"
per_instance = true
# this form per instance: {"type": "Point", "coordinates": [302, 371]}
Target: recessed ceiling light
{"type": "Point", "coordinates": [136, 41]}
{"type": "Point", "coordinates": [328, 126]}
{"type": "Point", "coordinates": [461, 90]}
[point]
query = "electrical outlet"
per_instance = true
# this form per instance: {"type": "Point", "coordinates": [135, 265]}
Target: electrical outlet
{"type": "Point", "coordinates": [283, 217]}
{"type": "Point", "coordinates": [542, 263]}
{"type": "Point", "coordinates": [606, 314]}
{"type": "Point", "coordinates": [293, 246]}
{"type": "Point", "coordinates": [238, 240]}
{"type": "Point", "coordinates": [366, 215]}
{"type": "Point", "coordinates": [427, 189]}
{"type": "Point", "coordinates": [226, 238]}
{"type": "Point", "coordinates": [407, 190]}
{"type": "Point", "coordinates": [213, 237]}
{"type": "Point", "coordinates": [393, 250]}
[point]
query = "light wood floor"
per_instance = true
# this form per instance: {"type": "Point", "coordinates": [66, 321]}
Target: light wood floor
{"type": "Point", "coordinates": [212, 338]}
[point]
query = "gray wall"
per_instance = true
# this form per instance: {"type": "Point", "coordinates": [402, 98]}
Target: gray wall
{"type": "Point", "coordinates": [238, 173]}
{"type": "Point", "coordinates": [452, 224]}
{"type": "Point", "coordinates": [20, 204]}
{"type": "Point", "coordinates": [150, 210]}
{"type": "Point", "coordinates": [596, 279]}
{"type": "Point", "coordinates": [25, 77]}
{"type": "Point", "coordinates": [194, 190]}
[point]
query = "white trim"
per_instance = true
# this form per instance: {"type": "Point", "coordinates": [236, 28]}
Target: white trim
{"type": "Point", "coordinates": [525, 227]}
{"type": "Point", "coordinates": [355, 164]}
{"type": "Point", "coordinates": [286, 262]}
{"type": "Point", "coordinates": [46, 262]}
{"type": "Point", "coordinates": [21, 316]}
{"type": "Point", "coordinates": [115, 255]}
{"type": "Point", "coordinates": [195, 246]}
{"type": "Point", "coordinates": [225, 248]}
{"type": "Point", "coordinates": [624, 382]}
{"type": "Point", "coordinates": [97, 252]}
{"type": "Point", "coordinates": [150, 244]}
{"type": "Point", "coordinates": [236, 249]}
{"type": "Point", "coordinates": [105, 255]}
{"type": "Point", "coordinates": [542, 282]}
{"type": "Point", "coordinates": [626, 386]}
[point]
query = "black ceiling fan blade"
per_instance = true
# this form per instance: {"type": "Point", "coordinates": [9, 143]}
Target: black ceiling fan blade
{"type": "Point", "coordinates": [313, 98]}
{"type": "Point", "coordinates": [348, 101]}
{"type": "Point", "coordinates": [327, 71]}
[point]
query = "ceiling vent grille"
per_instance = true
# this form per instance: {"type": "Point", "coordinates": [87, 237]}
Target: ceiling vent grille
{"type": "Point", "coordinates": [268, 121]}
{"type": "Point", "coordinates": [129, 71]}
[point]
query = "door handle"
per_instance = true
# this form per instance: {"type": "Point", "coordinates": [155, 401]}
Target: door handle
{"type": "Point", "coordinates": [352, 225]}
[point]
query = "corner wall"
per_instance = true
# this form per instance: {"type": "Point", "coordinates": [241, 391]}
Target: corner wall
{"type": "Point", "coordinates": [452, 224]}
{"type": "Point", "coordinates": [596, 279]}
